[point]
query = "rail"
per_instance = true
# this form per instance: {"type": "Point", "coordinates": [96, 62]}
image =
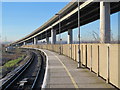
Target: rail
{"type": "Point", "coordinates": [6, 84]}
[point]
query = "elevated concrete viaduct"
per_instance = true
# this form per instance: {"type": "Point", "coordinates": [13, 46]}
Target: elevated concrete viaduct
{"type": "Point", "coordinates": [89, 12]}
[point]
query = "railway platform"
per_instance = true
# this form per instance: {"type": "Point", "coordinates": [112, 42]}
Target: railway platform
{"type": "Point", "coordinates": [63, 73]}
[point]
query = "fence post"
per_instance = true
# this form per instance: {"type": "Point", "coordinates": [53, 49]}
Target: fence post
{"type": "Point", "coordinates": [98, 62]}
{"type": "Point", "coordinates": [108, 69]}
{"type": "Point", "coordinates": [91, 60]}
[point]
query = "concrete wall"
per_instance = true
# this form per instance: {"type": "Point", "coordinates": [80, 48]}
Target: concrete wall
{"type": "Point", "coordinates": [114, 65]}
{"type": "Point", "coordinates": [89, 49]}
{"type": "Point", "coordinates": [103, 56]}
{"type": "Point", "coordinates": [95, 56]}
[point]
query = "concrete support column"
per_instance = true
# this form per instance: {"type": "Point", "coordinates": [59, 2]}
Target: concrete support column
{"type": "Point", "coordinates": [24, 43]}
{"type": "Point", "coordinates": [47, 40]}
{"type": "Point", "coordinates": [105, 22]}
{"type": "Point", "coordinates": [70, 36]}
{"type": "Point", "coordinates": [35, 40]}
{"type": "Point", "coordinates": [53, 36]}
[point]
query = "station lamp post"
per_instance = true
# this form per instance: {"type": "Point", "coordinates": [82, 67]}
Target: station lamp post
{"type": "Point", "coordinates": [60, 39]}
{"type": "Point", "coordinates": [79, 56]}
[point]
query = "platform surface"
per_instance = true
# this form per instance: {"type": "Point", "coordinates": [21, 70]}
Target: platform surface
{"type": "Point", "coordinates": [63, 73]}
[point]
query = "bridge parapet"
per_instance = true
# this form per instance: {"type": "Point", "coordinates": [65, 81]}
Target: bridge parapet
{"type": "Point", "coordinates": [102, 59]}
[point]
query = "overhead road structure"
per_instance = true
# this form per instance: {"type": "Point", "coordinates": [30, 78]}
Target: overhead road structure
{"type": "Point", "coordinates": [89, 12]}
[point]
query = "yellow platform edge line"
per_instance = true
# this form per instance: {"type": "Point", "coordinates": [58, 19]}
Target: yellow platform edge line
{"type": "Point", "coordinates": [72, 79]}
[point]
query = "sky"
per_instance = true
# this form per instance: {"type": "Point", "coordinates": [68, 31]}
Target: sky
{"type": "Point", "coordinates": [21, 18]}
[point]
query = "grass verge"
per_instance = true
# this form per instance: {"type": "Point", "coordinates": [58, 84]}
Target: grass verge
{"type": "Point", "coordinates": [12, 63]}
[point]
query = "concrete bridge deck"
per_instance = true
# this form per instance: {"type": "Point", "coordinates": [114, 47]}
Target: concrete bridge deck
{"type": "Point", "coordinates": [63, 73]}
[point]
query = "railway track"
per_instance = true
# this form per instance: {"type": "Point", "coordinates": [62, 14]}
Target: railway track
{"type": "Point", "coordinates": [30, 76]}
